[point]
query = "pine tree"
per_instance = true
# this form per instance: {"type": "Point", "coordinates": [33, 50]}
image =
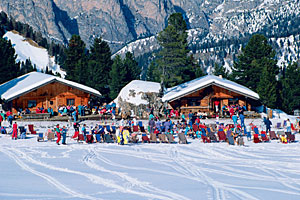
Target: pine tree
{"type": "Point", "coordinates": [220, 70]}
{"type": "Point", "coordinates": [193, 69]}
{"type": "Point", "coordinates": [173, 57]}
{"type": "Point", "coordinates": [9, 68]}
{"type": "Point", "coordinates": [75, 57]}
{"type": "Point", "coordinates": [290, 92]}
{"type": "Point", "coordinates": [117, 77]}
{"type": "Point", "coordinates": [248, 69]}
{"type": "Point", "coordinates": [267, 85]}
{"type": "Point", "coordinates": [100, 65]}
{"type": "Point", "coordinates": [26, 67]}
{"type": "Point", "coordinates": [257, 69]}
{"type": "Point", "coordinates": [2, 31]}
{"type": "Point", "coordinates": [133, 71]}
{"type": "Point", "coordinates": [153, 74]}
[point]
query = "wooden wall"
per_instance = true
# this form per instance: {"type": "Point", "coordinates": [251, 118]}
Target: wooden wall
{"type": "Point", "coordinates": [53, 93]}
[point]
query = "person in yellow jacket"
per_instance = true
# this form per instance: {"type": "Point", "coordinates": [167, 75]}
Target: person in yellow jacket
{"type": "Point", "coordinates": [118, 134]}
{"type": "Point", "coordinates": [125, 133]}
{"type": "Point", "coordinates": [283, 139]}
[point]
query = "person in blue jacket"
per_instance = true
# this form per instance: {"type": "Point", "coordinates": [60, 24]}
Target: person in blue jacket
{"type": "Point", "coordinates": [83, 130]}
{"type": "Point", "coordinates": [74, 115]}
{"type": "Point", "coordinates": [167, 125]}
{"type": "Point", "coordinates": [268, 124]}
{"type": "Point", "coordinates": [235, 119]}
{"type": "Point", "coordinates": [79, 110]}
{"type": "Point", "coordinates": [64, 134]}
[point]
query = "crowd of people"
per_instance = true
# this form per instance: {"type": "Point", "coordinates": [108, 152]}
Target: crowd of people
{"type": "Point", "coordinates": [189, 125]}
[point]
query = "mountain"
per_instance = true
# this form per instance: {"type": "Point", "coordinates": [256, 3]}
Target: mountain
{"type": "Point", "coordinates": [217, 28]}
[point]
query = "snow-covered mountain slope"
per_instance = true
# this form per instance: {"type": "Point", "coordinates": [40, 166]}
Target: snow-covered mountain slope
{"type": "Point", "coordinates": [231, 24]}
{"type": "Point", "coordinates": [27, 49]}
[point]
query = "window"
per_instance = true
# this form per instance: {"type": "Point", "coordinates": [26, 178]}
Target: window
{"type": "Point", "coordinates": [71, 102]}
{"type": "Point", "coordinates": [193, 102]}
{"type": "Point", "coordinates": [31, 103]}
{"type": "Point", "coordinates": [51, 102]}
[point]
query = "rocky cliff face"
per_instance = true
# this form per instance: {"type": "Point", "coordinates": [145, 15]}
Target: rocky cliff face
{"type": "Point", "coordinates": [133, 24]}
{"type": "Point", "coordinates": [117, 21]}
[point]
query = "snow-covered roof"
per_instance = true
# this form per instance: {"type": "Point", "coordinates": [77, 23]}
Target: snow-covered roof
{"type": "Point", "coordinates": [203, 82]}
{"type": "Point", "coordinates": [133, 91]}
{"type": "Point", "coordinates": [33, 80]}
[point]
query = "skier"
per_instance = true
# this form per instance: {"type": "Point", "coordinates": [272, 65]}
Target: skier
{"type": "Point", "coordinates": [158, 124]}
{"type": "Point", "coordinates": [83, 130]}
{"type": "Point", "coordinates": [64, 135]}
{"type": "Point", "coordinates": [2, 130]}
{"type": "Point", "coordinates": [58, 133]}
{"type": "Point", "coordinates": [15, 131]}
{"type": "Point", "coordinates": [268, 124]}
{"type": "Point", "coordinates": [288, 126]}
{"type": "Point", "coordinates": [241, 115]}
{"type": "Point", "coordinates": [76, 128]}
{"type": "Point", "coordinates": [167, 125]}
{"type": "Point", "coordinates": [118, 135]}
{"type": "Point", "coordinates": [79, 110]}
{"type": "Point", "coordinates": [151, 125]}
{"type": "Point", "coordinates": [125, 133]}
{"type": "Point", "coordinates": [74, 115]}
{"type": "Point", "coordinates": [1, 119]}
{"type": "Point", "coordinates": [234, 119]}
{"type": "Point", "coordinates": [10, 119]}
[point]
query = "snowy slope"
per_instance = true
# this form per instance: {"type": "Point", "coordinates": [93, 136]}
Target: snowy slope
{"type": "Point", "coordinates": [38, 55]}
{"type": "Point", "coordinates": [32, 170]}
{"type": "Point", "coordinates": [133, 91]}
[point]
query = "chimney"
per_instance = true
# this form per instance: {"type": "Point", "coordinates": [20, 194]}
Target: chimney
{"type": "Point", "coordinates": [220, 76]}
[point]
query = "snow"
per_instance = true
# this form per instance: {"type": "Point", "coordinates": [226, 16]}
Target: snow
{"type": "Point", "coordinates": [33, 80]}
{"type": "Point", "coordinates": [37, 55]}
{"type": "Point", "coordinates": [196, 84]}
{"type": "Point", "coordinates": [133, 92]}
{"type": "Point", "coordinates": [43, 170]}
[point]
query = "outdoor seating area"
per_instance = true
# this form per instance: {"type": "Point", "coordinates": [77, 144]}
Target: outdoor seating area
{"type": "Point", "coordinates": [176, 133]}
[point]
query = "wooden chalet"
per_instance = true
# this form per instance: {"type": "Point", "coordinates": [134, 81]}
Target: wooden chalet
{"type": "Point", "coordinates": [209, 94]}
{"type": "Point", "coordinates": [37, 89]}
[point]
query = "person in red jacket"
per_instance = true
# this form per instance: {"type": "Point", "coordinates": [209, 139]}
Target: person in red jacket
{"type": "Point", "coordinates": [58, 133]}
{"type": "Point", "coordinates": [15, 131]}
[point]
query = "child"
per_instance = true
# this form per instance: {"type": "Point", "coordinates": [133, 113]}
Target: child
{"type": "Point", "coordinates": [64, 135]}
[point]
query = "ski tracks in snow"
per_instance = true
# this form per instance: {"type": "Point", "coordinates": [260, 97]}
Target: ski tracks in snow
{"type": "Point", "coordinates": [48, 178]}
{"type": "Point", "coordinates": [199, 164]}
{"type": "Point", "coordinates": [133, 184]}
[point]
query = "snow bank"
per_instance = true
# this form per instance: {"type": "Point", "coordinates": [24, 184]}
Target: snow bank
{"type": "Point", "coordinates": [38, 55]}
{"type": "Point", "coordinates": [133, 92]}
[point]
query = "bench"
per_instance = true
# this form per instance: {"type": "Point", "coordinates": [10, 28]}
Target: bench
{"type": "Point", "coordinates": [36, 116]}
{"type": "Point", "coordinates": [251, 114]}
